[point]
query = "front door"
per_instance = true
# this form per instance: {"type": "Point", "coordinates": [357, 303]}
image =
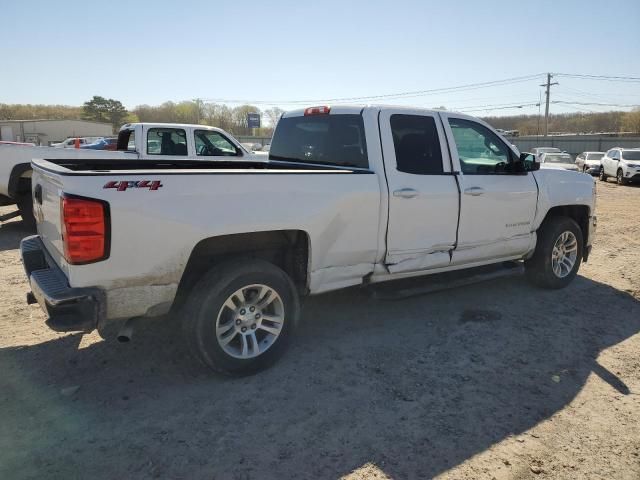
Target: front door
{"type": "Point", "coordinates": [423, 193]}
{"type": "Point", "coordinates": [497, 204]}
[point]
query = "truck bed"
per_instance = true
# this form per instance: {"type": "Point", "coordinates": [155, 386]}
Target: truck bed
{"type": "Point", "coordinates": [92, 166]}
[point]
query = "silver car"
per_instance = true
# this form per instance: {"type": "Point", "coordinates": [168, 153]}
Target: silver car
{"type": "Point", "coordinates": [561, 161]}
{"type": "Point", "coordinates": [589, 162]}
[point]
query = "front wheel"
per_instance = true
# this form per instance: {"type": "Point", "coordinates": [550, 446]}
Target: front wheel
{"type": "Point", "coordinates": [602, 176]}
{"type": "Point", "coordinates": [620, 178]}
{"type": "Point", "coordinates": [240, 316]}
{"type": "Point", "coordinates": [558, 253]}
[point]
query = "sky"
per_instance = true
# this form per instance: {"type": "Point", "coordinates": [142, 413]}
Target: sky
{"type": "Point", "coordinates": [279, 52]}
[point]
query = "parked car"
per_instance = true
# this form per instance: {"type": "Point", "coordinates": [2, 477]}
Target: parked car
{"type": "Point", "coordinates": [252, 147]}
{"type": "Point", "coordinates": [589, 162]}
{"type": "Point", "coordinates": [621, 163]}
{"type": "Point", "coordinates": [266, 148]}
{"type": "Point", "coordinates": [557, 161]}
{"type": "Point", "coordinates": [508, 133]}
{"type": "Point", "coordinates": [71, 142]}
{"type": "Point", "coordinates": [539, 150]}
{"type": "Point", "coordinates": [163, 140]}
{"type": "Point", "coordinates": [110, 143]}
{"type": "Point", "coordinates": [348, 196]}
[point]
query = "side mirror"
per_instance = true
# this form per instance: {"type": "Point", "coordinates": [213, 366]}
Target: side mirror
{"type": "Point", "coordinates": [529, 162]}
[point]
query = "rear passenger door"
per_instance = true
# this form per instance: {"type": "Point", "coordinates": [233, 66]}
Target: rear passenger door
{"type": "Point", "coordinates": [423, 193]}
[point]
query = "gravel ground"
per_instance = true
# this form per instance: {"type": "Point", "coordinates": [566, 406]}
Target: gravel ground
{"type": "Point", "coordinates": [495, 380]}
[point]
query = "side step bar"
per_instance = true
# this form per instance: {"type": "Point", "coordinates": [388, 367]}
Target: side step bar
{"type": "Point", "coordinates": [445, 281]}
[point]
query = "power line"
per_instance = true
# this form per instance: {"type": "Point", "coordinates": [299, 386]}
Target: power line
{"type": "Point", "coordinates": [608, 78]}
{"type": "Point", "coordinates": [399, 95]}
{"type": "Point", "coordinates": [596, 104]}
{"type": "Point", "coordinates": [486, 108]}
{"type": "Point", "coordinates": [421, 93]}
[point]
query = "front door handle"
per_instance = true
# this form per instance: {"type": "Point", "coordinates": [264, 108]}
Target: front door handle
{"type": "Point", "coordinates": [474, 191]}
{"type": "Point", "coordinates": [405, 193]}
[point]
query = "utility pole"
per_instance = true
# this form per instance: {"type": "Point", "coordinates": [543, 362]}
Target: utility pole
{"type": "Point", "coordinates": [546, 109]}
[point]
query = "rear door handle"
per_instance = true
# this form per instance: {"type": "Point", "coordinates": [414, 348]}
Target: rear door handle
{"type": "Point", "coordinates": [474, 191]}
{"type": "Point", "coordinates": [405, 193]}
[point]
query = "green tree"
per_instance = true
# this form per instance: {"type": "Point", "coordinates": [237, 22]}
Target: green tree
{"type": "Point", "coordinates": [100, 109]}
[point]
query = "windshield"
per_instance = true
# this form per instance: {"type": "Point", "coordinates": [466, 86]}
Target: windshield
{"type": "Point", "coordinates": [326, 139]}
{"type": "Point", "coordinates": [547, 149]}
{"type": "Point", "coordinates": [631, 154]}
{"type": "Point", "coordinates": [595, 156]}
{"type": "Point", "coordinates": [558, 158]}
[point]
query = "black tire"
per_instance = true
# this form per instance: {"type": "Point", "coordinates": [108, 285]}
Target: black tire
{"type": "Point", "coordinates": [206, 300]}
{"type": "Point", "coordinates": [25, 206]}
{"type": "Point", "coordinates": [602, 176]}
{"type": "Point", "coordinates": [620, 180]}
{"type": "Point", "coordinates": [539, 268]}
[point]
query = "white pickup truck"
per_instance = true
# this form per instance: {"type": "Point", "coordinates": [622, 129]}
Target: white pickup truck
{"type": "Point", "coordinates": [162, 141]}
{"type": "Point", "coordinates": [348, 196]}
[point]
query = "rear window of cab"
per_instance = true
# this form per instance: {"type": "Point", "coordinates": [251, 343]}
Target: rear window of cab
{"type": "Point", "coordinates": [321, 139]}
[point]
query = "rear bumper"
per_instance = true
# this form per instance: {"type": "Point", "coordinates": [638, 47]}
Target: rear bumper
{"type": "Point", "coordinates": [68, 309]}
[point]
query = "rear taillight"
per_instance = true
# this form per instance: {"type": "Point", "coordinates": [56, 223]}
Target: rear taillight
{"type": "Point", "coordinates": [317, 111]}
{"type": "Point", "coordinates": [85, 229]}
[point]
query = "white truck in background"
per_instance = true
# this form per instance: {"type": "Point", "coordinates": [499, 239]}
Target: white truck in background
{"type": "Point", "coordinates": [208, 143]}
{"type": "Point", "coordinates": [348, 196]}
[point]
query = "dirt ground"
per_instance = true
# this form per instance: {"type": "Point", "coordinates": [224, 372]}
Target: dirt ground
{"type": "Point", "coordinates": [495, 380]}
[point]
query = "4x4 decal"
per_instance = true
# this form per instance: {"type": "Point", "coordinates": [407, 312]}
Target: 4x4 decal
{"type": "Point", "coordinates": [122, 185]}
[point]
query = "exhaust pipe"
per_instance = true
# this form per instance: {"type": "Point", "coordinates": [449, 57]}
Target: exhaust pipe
{"type": "Point", "coordinates": [126, 332]}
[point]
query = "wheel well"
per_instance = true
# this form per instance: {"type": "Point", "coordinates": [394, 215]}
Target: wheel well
{"type": "Point", "coordinates": [287, 249]}
{"type": "Point", "coordinates": [579, 213]}
{"type": "Point", "coordinates": [18, 184]}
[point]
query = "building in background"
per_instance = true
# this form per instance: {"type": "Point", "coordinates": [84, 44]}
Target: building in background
{"type": "Point", "coordinates": [46, 132]}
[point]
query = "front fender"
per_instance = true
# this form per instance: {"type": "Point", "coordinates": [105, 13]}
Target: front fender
{"type": "Point", "coordinates": [563, 188]}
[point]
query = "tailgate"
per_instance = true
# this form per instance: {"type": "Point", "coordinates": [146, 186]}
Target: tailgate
{"type": "Point", "coordinates": [47, 188]}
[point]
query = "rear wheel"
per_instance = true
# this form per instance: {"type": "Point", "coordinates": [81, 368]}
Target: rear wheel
{"type": "Point", "coordinates": [240, 316]}
{"type": "Point", "coordinates": [558, 253]}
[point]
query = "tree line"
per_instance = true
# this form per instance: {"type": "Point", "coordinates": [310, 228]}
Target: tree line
{"type": "Point", "coordinates": [108, 110]}
{"type": "Point", "coordinates": [571, 123]}
{"type": "Point", "coordinates": [234, 119]}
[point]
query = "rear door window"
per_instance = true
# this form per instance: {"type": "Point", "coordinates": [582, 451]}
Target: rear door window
{"type": "Point", "coordinates": [321, 139]}
{"type": "Point", "coordinates": [167, 141]}
{"type": "Point", "coordinates": [415, 139]}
